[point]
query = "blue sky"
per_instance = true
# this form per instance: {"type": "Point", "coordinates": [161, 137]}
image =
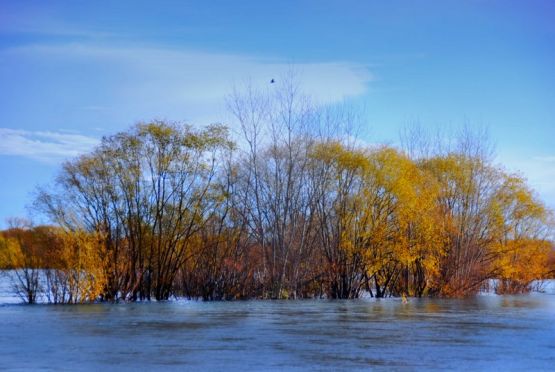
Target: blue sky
{"type": "Point", "coordinates": [73, 71]}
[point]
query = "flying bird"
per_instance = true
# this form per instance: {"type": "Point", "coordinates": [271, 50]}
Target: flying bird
{"type": "Point", "coordinates": [272, 81]}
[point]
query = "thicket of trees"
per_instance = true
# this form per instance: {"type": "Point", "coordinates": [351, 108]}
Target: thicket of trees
{"type": "Point", "coordinates": [54, 264]}
{"type": "Point", "coordinates": [298, 209]}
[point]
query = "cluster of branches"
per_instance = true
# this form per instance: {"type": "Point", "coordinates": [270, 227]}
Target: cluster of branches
{"type": "Point", "coordinates": [298, 210]}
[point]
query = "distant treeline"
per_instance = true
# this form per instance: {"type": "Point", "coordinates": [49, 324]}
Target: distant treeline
{"type": "Point", "coordinates": [295, 207]}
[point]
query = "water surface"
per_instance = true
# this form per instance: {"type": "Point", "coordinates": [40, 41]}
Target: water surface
{"type": "Point", "coordinates": [485, 333]}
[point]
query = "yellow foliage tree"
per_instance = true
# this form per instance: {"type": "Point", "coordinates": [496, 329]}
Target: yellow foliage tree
{"type": "Point", "coordinates": [77, 273]}
{"type": "Point", "coordinates": [521, 248]}
{"type": "Point", "coordinates": [402, 224]}
{"type": "Point", "coordinates": [21, 252]}
{"type": "Point", "coordinates": [387, 227]}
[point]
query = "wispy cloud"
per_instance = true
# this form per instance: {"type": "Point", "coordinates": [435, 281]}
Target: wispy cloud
{"type": "Point", "coordinates": [46, 146]}
{"type": "Point", "coordinates": [153, 81]}
{"type": "Point", "coordinates": [44, 22]}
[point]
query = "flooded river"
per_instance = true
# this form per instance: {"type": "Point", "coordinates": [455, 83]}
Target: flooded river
{"type": "Point", "coordinates": [484, 333]}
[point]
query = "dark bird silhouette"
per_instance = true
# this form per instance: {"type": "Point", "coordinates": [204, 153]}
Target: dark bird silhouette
{"type": "Point", "coordinates": [272, 81]}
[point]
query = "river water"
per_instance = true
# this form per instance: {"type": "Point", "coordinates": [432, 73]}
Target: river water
{"type": "Point", "coordinates": [482, 333]}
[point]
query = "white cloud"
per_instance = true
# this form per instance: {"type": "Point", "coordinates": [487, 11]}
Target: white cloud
{"type": "Point", "coordinates": [126, 84]}
{"type": "Point", "coordinates": [47, 146]}
{"type": "Point", "coordinates": [188, 84]}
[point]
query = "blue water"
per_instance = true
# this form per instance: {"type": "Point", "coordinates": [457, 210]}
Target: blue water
{"type": "Point", "coordinates": [482, 333]}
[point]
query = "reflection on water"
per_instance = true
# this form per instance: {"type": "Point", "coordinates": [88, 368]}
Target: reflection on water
{"type": "Point", "coordinates": [485, 332]}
